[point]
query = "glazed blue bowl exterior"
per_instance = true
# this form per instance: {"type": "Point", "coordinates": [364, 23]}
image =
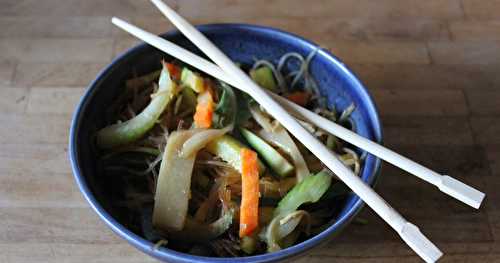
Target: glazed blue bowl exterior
{"type": "Point", "coordinates": [242, 43]}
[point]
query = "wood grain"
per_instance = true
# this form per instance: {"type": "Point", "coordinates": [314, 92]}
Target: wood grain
{"type": "Point", "coordinates": [151, 23]}
{"type": "Point", "coordinates": [474, 30]}
{"type": "Point", "coordinates": [36, 129]}
{"type": "Point", "coordinates": [71, 253]}
{"type": "Point", "coordinates": [492, 187]}
{"type": "Point", "coordinates": [56, 73]}
{"type": "Point", "coordinates": [53, 225]}
{"type": "Point", "coordinates": [78, 8]}
{"type": "Point", "coordinates": [45, 159]}
{"type": "Point", "coordinates": [433, 77]}
{"type": "Point", "coordinates": [123, 44]}
{"type": "Point", "coordinates": [486, 130]}
{"type": "Point", "coordinates": [37, 189]}
{"type": "Point", "coordinates": [53, 26]}
{"type": "Point", "coordinates": [13, 100]}
{"type": "Point", "coordinates": [383, 52]}
{"type": "Point", "coordinates": [484, 102]}
{"type": "Point", "coordinates": [424, 131]}
{"type": "Point", "coordinates": [478, 9]}
{"type": "Point", "coordinates": [58, 100]}
{"type": "Point", "coordinates": [350, 28]}
{"type": "Point", "coordinates": [468, 52]}
{"type": "Point", "coordinates": [322, 8]}
{"type": "Point", "coordinates": [435, 102]}
{"type": "Point", "coordinates": [60, 49]}
{"type": "Point", "coordinates": [7, 69]}
{"type": "Point", "coordinates": [432, 67]}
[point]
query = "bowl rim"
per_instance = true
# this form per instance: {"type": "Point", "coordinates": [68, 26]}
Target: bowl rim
{"type": "Point", "coordinates": [169, 254]}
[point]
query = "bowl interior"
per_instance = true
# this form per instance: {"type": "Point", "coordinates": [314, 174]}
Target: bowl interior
{"type": "Point", "coordinates": [244, 44]}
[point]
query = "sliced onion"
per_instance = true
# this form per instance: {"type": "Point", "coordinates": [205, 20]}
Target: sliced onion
{"type": "Point", "coordinates": [282, 139]}
{"type": "Point", "coordinates": [261, 118]}
{"type": "Point", "coordinates": [278, 136]}
{"type": "Point", "coordinates": [200, 140]}
{"type": "Point", "coordinates": [282, 226]}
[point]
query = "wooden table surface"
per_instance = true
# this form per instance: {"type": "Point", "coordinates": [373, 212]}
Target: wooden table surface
{"type": "Point", "coordinates": [432, 66]}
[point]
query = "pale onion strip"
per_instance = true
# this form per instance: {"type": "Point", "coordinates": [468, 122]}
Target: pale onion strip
{"type": "Point", "coordinates": [200, 140]}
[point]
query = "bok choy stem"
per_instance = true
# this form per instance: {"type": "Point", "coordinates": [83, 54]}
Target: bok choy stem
{"type": "Point", "coordinates": [135, 128]}
{"type": "Point", "coordinates": [309, 190]}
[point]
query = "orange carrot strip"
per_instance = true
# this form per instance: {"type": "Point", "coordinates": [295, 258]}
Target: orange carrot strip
{"type": "Point", "coordinates": [204, 110]}
{"type": "Point", "coordinates": [174, 70]}
{"type": "Point", "coordinates": [249, 208]}
{"type": "Point", "coordinates": [299, 97]}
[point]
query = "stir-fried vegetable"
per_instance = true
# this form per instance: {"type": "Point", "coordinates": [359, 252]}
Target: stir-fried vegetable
{"type": "Point", "coordinates": [135, 128]}
{"type": "Point", "coordinates": [189, 98]}
{"type": "Point", "coordinates": [227, 107]}
{"type": "Point", "coordinates": [173, 186]}
{"type": "Point", "coordinates": [282, 139]}
{"type": "Point", "coordinates": [197, 232]}
{"type": "Point", "coordinates": [286, 218]}
{"type": "Point", "coordinates": [248, 244]}
{"type": "Point", "coordinates": [192, 80]}
{"type": "Point", "coordinates": [174, 70]}
{"type": "Point", "coordinates": [264, 77]}
{"type": "Point", "coordinates": [299, 97]}
{"type": "Point", "coordinates": [180, 156]}
{"type": "Point", "coordinates": [249, 209]}
{"type": "Point", "coordinates": [228, 148]}
{"type": "Point", "coordinates": [273, 158]}
{"type": "Point", "coordinates": [200, 140]}
{"type": "Point", "coordinates": [276, 189]}
{"type": "Point", "coordinates": [282, 226]}
{"type": "Point", "coordinates": [309, 190]}
{"type": "Point", "coordinates": [278, 136]}
{"type": "Point", "coordinates": [204, 110]}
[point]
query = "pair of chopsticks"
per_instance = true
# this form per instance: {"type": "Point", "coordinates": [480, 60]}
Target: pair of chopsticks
{"type": "Point", "coordinates": [228, 72]}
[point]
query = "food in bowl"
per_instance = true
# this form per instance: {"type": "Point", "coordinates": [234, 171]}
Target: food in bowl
{"type": "Point", "coordinates": [208, 172]}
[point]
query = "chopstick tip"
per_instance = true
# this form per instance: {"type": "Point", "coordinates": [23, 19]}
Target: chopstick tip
{"type": "Point", "coordinates": [419, 243]}
{"type": "Point", "coordinates": [115, 20]}
{"type": "Point", "coordinates": [461, 191]}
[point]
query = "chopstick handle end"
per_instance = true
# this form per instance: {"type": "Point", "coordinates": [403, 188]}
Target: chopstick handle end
{"type": "Point", "coordinates": [419, 243]}
{"type": "Point", "coordinates": [461, 191]}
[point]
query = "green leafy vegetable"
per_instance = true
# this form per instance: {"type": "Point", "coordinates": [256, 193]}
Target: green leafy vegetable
{"type": "Point", "coordinates": [227, 107]}
{"type": "Point", "coordinates": [243, 112]}
{"type": "Point", "coordinates": [309, 190]}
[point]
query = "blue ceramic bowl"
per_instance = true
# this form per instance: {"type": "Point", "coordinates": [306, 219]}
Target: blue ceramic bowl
{"type": "Point", "coordinates": [242, 43]}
